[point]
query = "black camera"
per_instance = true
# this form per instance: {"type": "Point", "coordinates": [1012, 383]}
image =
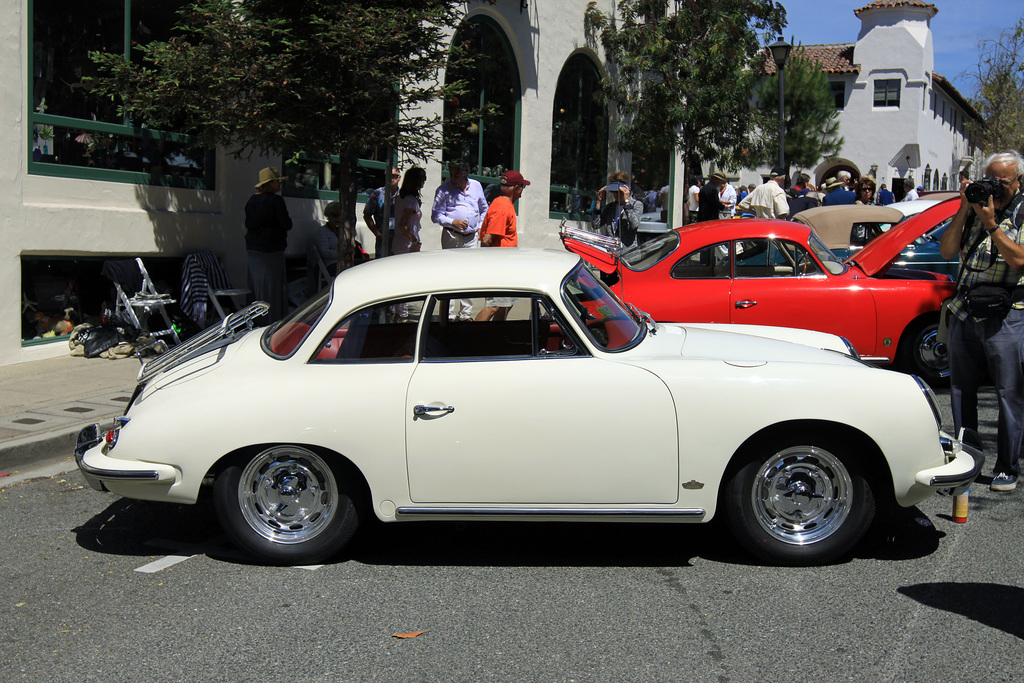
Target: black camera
{"type": "Point", "coordinates": [979, 191]}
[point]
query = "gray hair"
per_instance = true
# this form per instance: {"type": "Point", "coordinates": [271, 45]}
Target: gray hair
{"type": "Point", "coordinates": [844, 176]}
{"type": "Point", "coordinates": [1010, 157]}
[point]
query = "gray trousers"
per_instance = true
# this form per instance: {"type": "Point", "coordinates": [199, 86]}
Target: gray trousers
{"type": "Point", "coordinates": [993, 345]}
{"type": "Point", "coordinates": [268, 282]}
{"type": "Point", "coordinates": [461, 309]}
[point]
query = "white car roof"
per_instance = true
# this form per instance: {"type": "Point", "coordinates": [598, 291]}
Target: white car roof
{"type": "Point", "coordinates": [457, 270]}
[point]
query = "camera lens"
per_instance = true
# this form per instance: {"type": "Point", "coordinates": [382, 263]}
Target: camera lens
{"type": "Point", "coordinates": [978, 192]}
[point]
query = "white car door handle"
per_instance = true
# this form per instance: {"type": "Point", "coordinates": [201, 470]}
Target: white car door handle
{"type": "Point", "coordinates": [423, 410]}
{"type": "Point", "coordinates": [746, 303]}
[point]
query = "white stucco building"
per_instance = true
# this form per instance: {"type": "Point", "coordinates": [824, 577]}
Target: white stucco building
{"type": "Point", "coordinates": [83, 186]}
{"type": "Point", "coordinates": [899, 119]}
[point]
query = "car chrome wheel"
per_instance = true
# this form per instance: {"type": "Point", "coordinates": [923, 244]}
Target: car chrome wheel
{"type": "Point", "coordinates": [801, 495]}
{"type": "Point", "coordinates": [288, 495]}
{"type": "Point", "coordinates": [931, 355]}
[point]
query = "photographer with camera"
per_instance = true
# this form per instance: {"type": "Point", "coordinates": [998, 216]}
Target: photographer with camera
{"type": "Point", "coordinates": [616, 213]}
{"type": "Point", "coordinates": [986, 316]}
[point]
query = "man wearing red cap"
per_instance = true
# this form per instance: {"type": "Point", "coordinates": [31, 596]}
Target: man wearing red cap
{"type": "Point", "coordinates": [499, 226]}
{"type": "Point", "coordinates": [499, 230]}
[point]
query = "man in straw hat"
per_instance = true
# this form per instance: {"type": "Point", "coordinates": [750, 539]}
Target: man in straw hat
{"type": "Point", "coordinates": [266, 235]}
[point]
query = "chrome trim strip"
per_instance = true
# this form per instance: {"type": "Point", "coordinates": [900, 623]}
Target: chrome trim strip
{"type": "Point", "coordinates": [420, 511]}
{"type": "Point", "coordinates": [881, 360]}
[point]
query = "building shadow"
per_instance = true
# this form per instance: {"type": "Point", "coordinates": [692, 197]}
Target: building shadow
{"type": "Point", "coordinates": [992, 604]}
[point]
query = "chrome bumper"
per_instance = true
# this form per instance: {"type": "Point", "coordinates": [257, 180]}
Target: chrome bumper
{"type": "Point", "coordinates": [965, 461]}
{"type": "Point", "coordinates": [88, 439]}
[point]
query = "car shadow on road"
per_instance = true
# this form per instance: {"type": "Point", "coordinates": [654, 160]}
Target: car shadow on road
{"type": "Point", "coordinates": [992, 604]}
{"type": "Point", "coordinates": [144, 528]}
{"type": "Point", "coordinates": [129, 527]}
{"type": "Point", "coordinates": [899, 534]}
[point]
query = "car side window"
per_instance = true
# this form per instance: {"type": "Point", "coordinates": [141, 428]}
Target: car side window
{"type": "Point", "coordinates": [711, 261]}
{"type": "Point", "coordinates": [763, 257]}
{"type": "Point", "coordinates": [384, 332]}
{"type": "Point", "coordinates": [505, 325]}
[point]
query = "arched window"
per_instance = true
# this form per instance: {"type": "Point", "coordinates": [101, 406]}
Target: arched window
{"type": "Point", "coordinates": [579, 138]}
{"type": "Point", "coordinates": [945, 180]}
{"type": "Point", "coordinates": [484, 61]}
{"type": "Point", "coordinates": [928, 178]}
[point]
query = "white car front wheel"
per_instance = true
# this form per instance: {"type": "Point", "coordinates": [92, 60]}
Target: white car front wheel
{"type": "Point", "coordinates": [799, 504]}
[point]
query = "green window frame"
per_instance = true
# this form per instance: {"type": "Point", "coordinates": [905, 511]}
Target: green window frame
{"type": "Point", "coordinates": [78, 136]}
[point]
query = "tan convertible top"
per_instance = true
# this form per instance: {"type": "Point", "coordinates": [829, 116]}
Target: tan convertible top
{"type": "Point", "coordinates": [834, 223]}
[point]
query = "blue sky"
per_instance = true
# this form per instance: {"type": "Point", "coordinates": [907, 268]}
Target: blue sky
{"type": "Point", "coordinates": [956, 29]}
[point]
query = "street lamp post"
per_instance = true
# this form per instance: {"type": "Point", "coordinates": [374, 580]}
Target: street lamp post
{"type": "Point", "coordinates": [780, 53]}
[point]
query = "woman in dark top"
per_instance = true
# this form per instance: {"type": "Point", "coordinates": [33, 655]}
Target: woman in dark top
{"type": "Point", "coordinates": [266, 235]}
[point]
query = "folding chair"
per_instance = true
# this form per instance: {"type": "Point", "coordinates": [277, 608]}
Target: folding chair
{"type": "Point", "coordinates": [204, 280]}
{"type": "Point", "coordinates": [317, 271]}
{"type": "Point", "coordinates": [144, 299]}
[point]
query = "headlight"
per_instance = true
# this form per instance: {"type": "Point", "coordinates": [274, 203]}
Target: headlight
{"type": "Point", "coordinates": [932, 400]}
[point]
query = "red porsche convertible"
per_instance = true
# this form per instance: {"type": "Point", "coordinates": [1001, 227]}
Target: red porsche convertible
{"type": "Point", "coordinates": [769, 272]}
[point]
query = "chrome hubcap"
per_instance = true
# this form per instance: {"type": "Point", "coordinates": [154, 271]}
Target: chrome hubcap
{"type": "Point", "coordinates": [931, 353]}
{"type": "Point", "coordinates": [801, 495]}
{"type": "Point", "coordinates": [288, 495]}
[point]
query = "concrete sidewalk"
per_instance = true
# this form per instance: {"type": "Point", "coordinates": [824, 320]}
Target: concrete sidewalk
{"type": "Point", "coordinates": [44, 404]}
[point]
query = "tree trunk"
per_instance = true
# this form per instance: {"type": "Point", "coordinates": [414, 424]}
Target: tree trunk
{"type": "Point", "coordinates": [347, 196]}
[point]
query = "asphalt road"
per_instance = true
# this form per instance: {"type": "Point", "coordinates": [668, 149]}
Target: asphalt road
{"type": "Point", "coordinates": [101, 588]}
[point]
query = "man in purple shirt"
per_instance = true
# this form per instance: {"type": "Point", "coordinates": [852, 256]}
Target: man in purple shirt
{"type": "Point", "coordinates": [459, 208]}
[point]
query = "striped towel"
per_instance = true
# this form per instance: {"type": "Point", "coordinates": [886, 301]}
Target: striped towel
{"type": "Point", "coordinates": [199, 273]}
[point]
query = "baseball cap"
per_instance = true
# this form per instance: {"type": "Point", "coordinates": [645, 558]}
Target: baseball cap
{"type": "Point", "coordinates": [778, 171]}
{"type": "Point", "coordinates": [513, 178]}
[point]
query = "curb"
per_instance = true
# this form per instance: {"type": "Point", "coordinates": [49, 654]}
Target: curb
{"type": "Point", "coordinates": [38, 448]}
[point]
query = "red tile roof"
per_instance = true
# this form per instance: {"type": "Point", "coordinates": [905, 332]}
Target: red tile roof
{"type": "Point", "coordinates": [834, 59]}
{"type": "Point", "coordinates": [882, 4]}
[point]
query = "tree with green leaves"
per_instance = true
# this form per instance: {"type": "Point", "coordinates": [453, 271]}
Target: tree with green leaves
{"type": "Point", "coordinates": [811, 119]}
{"type": "Point", "coordinates": [999, 98]}
{"type": "Point", "coordinates": [275, 77]}
{"type": "Point", "coordinates": [683, 73]}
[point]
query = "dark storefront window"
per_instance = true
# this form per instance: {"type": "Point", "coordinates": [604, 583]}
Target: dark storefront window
{"type": "Point", "coordinates": [579, 139]}
{"type": "Point", "coordinates": [489, 145]}
{"type": "Point", "coordinates": [78, 134]}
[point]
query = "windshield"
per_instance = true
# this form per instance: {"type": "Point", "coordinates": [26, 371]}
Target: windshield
{"type": "Point", "coordinates": [825, 255]}
{"type": "Point", "coordinates": [643, 256]}
{"type": "Point", "coordinates": [606, 319]}
{"type": "Point", "coordinates": [282, 339]}
{"type": "Point", "coordinates": [935, 234]}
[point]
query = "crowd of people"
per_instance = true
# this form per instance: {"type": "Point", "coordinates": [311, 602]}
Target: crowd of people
{"type": "Point", "coordinates": [460, 208]}
{"type": "Point", "coordinates": [717, 198]}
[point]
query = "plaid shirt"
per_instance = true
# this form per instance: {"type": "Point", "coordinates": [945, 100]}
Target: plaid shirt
{"type": "Point", "coordinates": [987, 265]}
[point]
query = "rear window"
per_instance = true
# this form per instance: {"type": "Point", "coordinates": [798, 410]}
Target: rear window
{"type": "Point", "coordinates": [282, 339]}
{"type": "Point", "coordinates": [643, 256]}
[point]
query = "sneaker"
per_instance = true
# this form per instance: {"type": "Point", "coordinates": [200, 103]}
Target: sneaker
{"type": "Point", "coordinates": [1004, 482]}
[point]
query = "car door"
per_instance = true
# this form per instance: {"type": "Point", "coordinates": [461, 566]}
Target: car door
{"type": "Point", "coordinates": [697, 288]}
{"type": "Point", "coordinates": [777, 282]}
{"type": "Point", "coordinates": [518, 412]}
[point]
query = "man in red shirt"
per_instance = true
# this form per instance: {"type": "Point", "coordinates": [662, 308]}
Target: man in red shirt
{"type": "Point", "coordinates": [499, 226]}
{"type": "Point", "coordinates": [499, 230]}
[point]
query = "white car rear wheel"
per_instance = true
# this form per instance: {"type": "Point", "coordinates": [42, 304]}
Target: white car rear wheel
{"type": "Point", "coordinates": [286, 505]}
